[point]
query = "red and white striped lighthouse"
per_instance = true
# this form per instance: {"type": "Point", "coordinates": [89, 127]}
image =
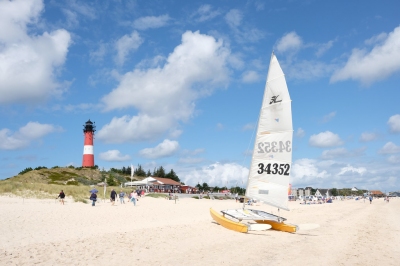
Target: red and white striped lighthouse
{"type": "Point", "coordinates": [88, 157]}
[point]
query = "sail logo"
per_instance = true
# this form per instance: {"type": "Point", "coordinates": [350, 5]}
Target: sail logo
{"type": "Point", "coordinates": [274, 99]}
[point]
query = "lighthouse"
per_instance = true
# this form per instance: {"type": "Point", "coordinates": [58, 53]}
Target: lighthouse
{"type": "Point", "coordinates": [88, 157]}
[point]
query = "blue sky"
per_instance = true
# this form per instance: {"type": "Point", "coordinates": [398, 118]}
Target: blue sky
{"type": "Point", "coordinates": [179, 84]}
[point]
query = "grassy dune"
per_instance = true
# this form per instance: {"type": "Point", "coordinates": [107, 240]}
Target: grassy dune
{"type": "Point", "coordinates": [47, 184]}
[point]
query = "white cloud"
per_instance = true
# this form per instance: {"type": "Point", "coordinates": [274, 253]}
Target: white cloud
{"type": "Point", "coordinates": [394, 123]}
{"type": "Point", "coordinates": [328, 117]}
{"type": "Point", "coordinates": [243, 33]}
{"type": "Point", "coordinates": [250, 76]}
{"type": "Point", "coordinates": [114, 156]}
{"type": "Point", "coordinates": [165, 149]}
{"type": "Point", "coordinates": [28, 64]}
{"type": "Point", "coordinates": [125, 45]}
{"type": "Point", "coordinates": [300, 132]}
{"type": "Point", "coordinates": [217, 174]}
{"type": "Point", "coordinates": [73, 11]}
{"type": "Point", "coordinates": [165, 95]}
{"type": "Point", "coordinates": [394, 159]}
{"type": "Point", "coordinates": [325, 139]}
{"type": "Point", "coordinates": [304, 170]}
{"type": "Point", "coordinates": [368, 136]}
{"type": "Point", "coordinates": [376, 64]}
{"type": "Point", "coordinates": [98, 55]}
{"type": "Point", "coordinates": [25, 135]}
{"type": "Point", "coordinates": [351, 169]}
{"type": "Point", "coordinates": [324, 47]}
{"type": "Point", "coordinates": [290, 41]}
{"type": "Point", "coordinates": [205, 12]}
{"type": "Point", "coordinates": [389, 148]}
{"type": "Point", "coordinates": [234, 18]}
{"type": "Point", "coordinates": [151, 22]}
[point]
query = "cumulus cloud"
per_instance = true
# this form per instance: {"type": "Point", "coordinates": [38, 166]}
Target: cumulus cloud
{"type": "Point", "coordinates": [389, 148]}
{"type": "Point", "coordinates": [351, 169]}
{"type": "Point", "coordinates": [205, 12]}
{"type": "Point", "coordinates": [217, 174]}
{"type": "Point", "coordinates": [394, 123]}
{"type": "Point", "coordinates": [127, 44]}
{"type": "Point", "coordinates": [394, 159]}
{"type": "Point", "coordinates": [114, 156]}
{"type": "Point", "coordinates": [25, 135]}
{"type": "Point", "coordinates": [369, 66]}
{"type": "Point", "coordinates": [165, 95]}
{"type": "Point", "coordinates": [164, 149]}
{"type": "Point", "coordinates": [306, 169]}
{"type": "Point", "coordinates": [289, 42]}
{"type": "Point", "coordinates": [151, 22]}
{"type": "Point", "coordinates": [325, 139]}
{"type": "Point", "coordinates": [29, 63]}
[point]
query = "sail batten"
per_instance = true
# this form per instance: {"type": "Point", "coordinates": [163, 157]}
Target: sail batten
{"type": "Point", "coordinates": [270, 168]}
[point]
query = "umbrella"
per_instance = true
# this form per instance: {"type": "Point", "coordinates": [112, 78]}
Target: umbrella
{"type": "Point", "coordinates": [93, 191]}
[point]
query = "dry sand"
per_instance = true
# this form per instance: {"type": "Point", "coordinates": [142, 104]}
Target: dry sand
{"type": "Point", "coordinates": [162, 232]}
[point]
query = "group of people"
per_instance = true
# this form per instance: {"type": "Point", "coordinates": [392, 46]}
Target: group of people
{"type": "Point", "coordinates": [133, 197]}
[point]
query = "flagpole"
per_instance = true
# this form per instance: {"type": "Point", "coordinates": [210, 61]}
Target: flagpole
{"type": "Point", "coordinates": [104, 196]}
{"type": "Point", "coordinates": [131, 174]}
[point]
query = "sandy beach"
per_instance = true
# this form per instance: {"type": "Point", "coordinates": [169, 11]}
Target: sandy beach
{"type": "Point", "coordinates": [162, 232]}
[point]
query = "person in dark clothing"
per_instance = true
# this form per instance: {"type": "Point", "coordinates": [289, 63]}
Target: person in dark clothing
{"type": "Point", "coordinates": [61, 196]}
{"type": "Point", "coordinates": [93, 198]}
{"type": "Point", "coordinates": [113, 196]}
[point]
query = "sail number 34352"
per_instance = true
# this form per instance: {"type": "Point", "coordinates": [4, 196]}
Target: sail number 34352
{"type": "Point", "coordinates": [281, 169]}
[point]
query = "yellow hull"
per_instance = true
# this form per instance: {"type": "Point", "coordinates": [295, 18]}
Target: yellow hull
{"type": "Point", "coordinates": [229, 224]}
{"type": "Point", "coordinates": [279, 226]}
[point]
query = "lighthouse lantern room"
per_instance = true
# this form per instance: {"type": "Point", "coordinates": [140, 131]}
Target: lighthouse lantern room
{"type": "Point", "coordinates": [88, 156]}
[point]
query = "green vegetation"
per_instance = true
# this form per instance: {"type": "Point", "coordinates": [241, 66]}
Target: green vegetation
{"type": "Point", "coordinates": [156, 195]}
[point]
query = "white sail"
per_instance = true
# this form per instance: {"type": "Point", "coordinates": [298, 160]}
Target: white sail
{"type": "Point", "coordinates": [271, 163]}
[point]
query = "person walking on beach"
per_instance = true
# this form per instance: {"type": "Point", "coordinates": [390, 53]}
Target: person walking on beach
{"type": "Point", "coordinates": [93, 198]}
{"type": "Point", "coordinates": [61, 196]}
{"type": "Point", "coordinates": [113, 195]}
{"type": "Point", "coordinates": [133, 197]}
{"type": "Point", "coordinates": [370, 199]}
{"type": "Point", "coordinates": [121, 197]}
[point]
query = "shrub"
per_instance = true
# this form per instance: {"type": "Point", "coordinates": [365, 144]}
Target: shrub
{"type": "Point", "coordinates": [26, 170]}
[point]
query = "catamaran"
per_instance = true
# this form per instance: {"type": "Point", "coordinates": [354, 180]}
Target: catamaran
{"type": "Point", "coordinates": [269, 174]}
